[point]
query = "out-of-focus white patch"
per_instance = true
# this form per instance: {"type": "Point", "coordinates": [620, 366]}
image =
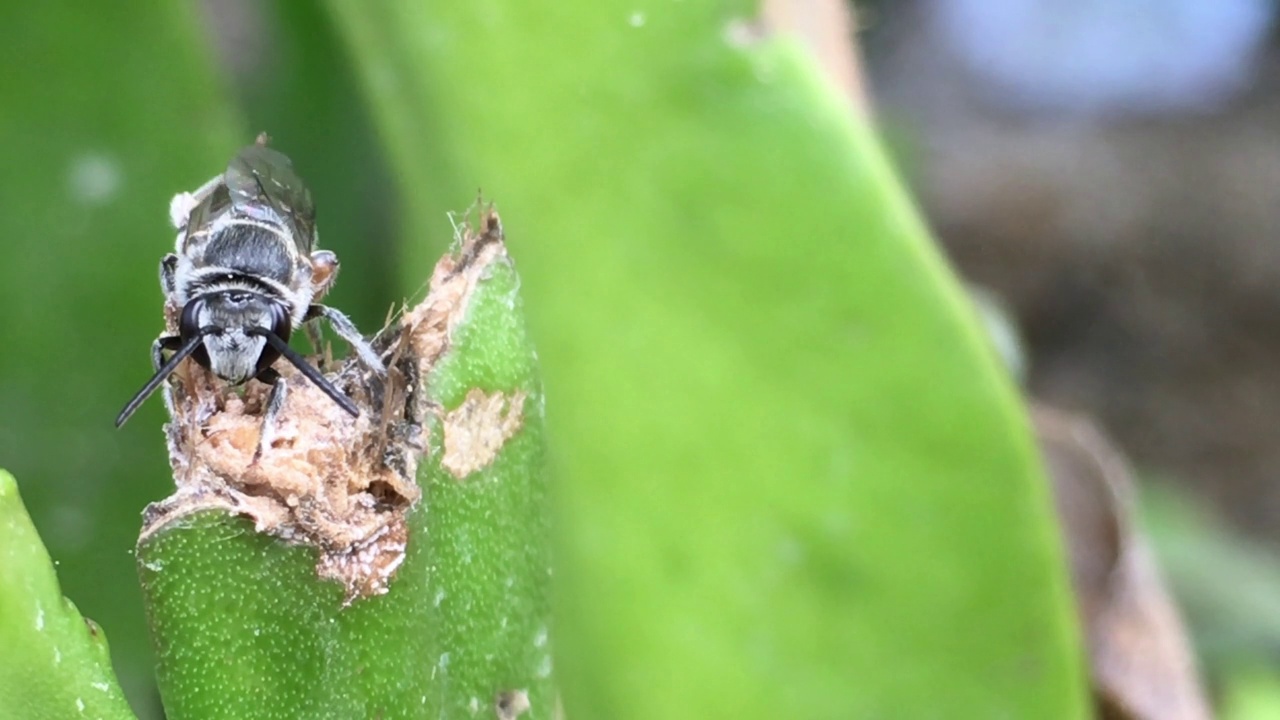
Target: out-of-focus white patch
{"type": "Point", "coordinates": [637, 19]}
{"type": "Point", "coordinates": [73, 526]}
{"type": "Point", "coordinates": [93, 179]}
{"type": "Point", "coordinates": [544, 667]}
{"type": "Point", "coordinates": [1001, 330]}
{"type": "Point", "coordinates": [1108, 56]}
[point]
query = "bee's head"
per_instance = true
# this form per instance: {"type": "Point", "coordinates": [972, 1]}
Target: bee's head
{"type": "Point", "coordinates": [236, 333]}
{"type": "Point", "coordinates": [235, 324]}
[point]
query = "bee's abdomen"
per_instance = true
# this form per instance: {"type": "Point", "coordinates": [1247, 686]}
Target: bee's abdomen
{"type": "Point", "coordinates": [253, 250]}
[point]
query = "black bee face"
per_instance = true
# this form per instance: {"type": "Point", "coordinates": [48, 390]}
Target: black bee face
{"type": "Point", "coordinates": [234, 324]}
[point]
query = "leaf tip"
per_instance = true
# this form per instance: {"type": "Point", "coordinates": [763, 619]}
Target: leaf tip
{"type": "Point", "coordinates": [8, 485]}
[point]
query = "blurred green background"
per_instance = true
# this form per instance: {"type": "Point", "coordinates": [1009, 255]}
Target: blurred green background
{"type": "Point", "coordinates": [1161, 328]}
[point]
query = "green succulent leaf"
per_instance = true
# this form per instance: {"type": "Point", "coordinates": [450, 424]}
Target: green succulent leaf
{"type": "Point", "coordinates": [55, 664]}
{"type": "Point", "coordinates": [792, 480]}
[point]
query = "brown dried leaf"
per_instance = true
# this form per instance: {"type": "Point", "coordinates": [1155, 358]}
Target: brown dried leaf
{"type": "Point", "coordinates": [1141, 662]}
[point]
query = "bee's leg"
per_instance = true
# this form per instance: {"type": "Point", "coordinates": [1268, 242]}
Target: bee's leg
{"type": "Point", "coordinates": [324, 272]}
{"type": "Point", "coordinates": [168, 271]}
{"type": "Point", "coordinates": [166, 395]}
{"type": "Point", "coordinates": [314, 337]}
{"type": "Point", "coordinates": [347, 330]}
{"type": "Point", "coordinates": [162, 343]}
{"type": "Point", "coordinates": [270, 417]}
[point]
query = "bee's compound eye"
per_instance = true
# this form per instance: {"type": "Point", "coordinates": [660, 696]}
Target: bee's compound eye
{"type": "Point", "coordinates": [281, 324]}
{"type": "Point", "coordinates": [189, 323]}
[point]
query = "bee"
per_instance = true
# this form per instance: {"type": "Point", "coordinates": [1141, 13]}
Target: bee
{"type": "Point", "coordinates": [246, 273]}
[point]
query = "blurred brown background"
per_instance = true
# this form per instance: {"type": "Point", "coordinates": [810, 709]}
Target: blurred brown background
{"type": "Point", "coordinates": [1112, 170]}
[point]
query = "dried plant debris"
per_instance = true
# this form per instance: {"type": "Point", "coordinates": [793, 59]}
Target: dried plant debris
{"type": "Point", "coordinates": [477, 430]}
{"type": "Point", "coordinates": [1140, 657]}
{"type": "Point", "coordinates": [315, 475]}
{"type": "Point", "coordinates": [511, 704]}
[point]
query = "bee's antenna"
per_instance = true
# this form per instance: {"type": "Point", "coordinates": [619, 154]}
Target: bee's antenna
{"type": "Point", "coordinates": [164, 372]}
{"type": "Point", "coordinates": [307, 369]}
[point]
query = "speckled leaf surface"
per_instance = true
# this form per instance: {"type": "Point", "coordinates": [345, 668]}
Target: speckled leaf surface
{"type": "Point", "coordinates": [791, 478]}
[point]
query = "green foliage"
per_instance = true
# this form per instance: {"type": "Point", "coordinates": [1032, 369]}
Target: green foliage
{"type": "Point", "coordinates": [791, 480]}
{"type": "Point", "coordinates": [56, 663]}
{"type": "Point", "coordinates": [487, 532]}
{"type": "Point", "coordinates": [1252, 695]}
{"type": "Point", "coordinates": [1227, 586]}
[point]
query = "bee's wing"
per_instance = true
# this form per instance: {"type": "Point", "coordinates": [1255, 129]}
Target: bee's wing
{"type": "Point", "coordinates": [259, 176]}
{"type": "Point", "coordinates": [212, 204]}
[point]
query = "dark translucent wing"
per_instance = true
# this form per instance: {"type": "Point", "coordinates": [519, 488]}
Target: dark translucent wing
{"type": "Point", "coordinates": [213, 204]}
{"type": "Point", "coordinates": [259, 178]}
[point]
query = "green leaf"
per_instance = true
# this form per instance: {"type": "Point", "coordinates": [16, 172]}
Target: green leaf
{"type": "Point", "coordinates": [793, 481]}
{"type": "Point", "coordinates": [245, 628]}
{"type": "Point", "coordinates": [1252, 694]}
{"type": "Point", "coordinates": [1226, 584]}
{"type": "Point", "coordinates": [107, 113]}
{"type": "Point", "coordinates": [55, 664]}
